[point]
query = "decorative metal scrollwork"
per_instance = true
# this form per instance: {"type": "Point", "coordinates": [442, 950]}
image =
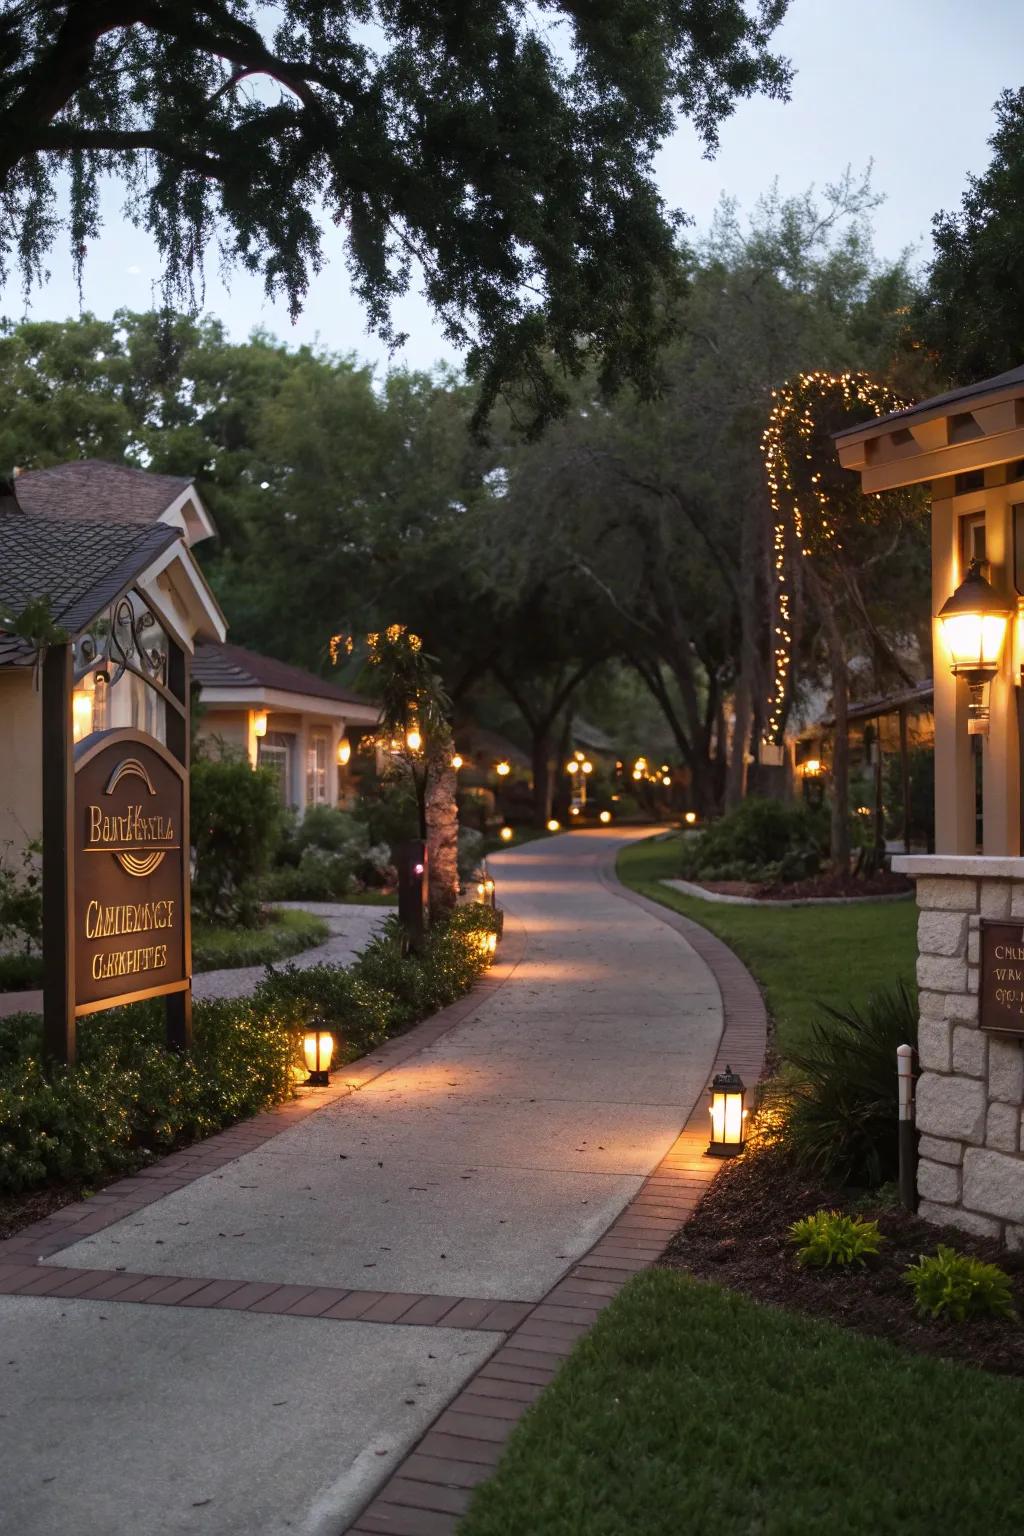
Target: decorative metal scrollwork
{"type": "Point", "coordinates": [122, 642]}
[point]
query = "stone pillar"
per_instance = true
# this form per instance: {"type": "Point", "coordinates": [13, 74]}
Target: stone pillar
{"type": "Point", "coordinates": [971, 1089]}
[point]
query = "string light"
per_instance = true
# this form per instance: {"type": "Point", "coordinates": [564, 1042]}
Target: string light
{"type": "Point", "coordinates": [799, 519]}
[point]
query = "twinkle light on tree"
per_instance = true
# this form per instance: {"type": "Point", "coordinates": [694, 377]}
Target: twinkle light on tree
{"type": "Point", "coordinates": [798, 454]}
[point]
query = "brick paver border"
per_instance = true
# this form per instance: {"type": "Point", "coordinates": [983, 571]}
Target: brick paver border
{"type": "Point", "coordinates": [431, 1489]}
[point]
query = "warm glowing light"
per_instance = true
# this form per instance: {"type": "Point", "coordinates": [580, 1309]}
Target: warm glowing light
{"type": "Point", "coordinates": [506, 834]}
{"type": "Point", "coordinates": [690, 818]}
{"type": "Point", "coordinates": [554, 826]}
{"type": "Point", "coordinates": [259, 724]}
{"type": "Point", "coordinates": [811, 767]}
{"type": "Point", "coordinates": [605, 816]}
{"type": "Point", "coordinates": [572, 766]}
{"type": "Point", "coordinates": [344, 752]}
{"type": "Point", "coordinates": [578, 756]}
{"type": "Point", "coordinates": [638, 773]}
{"type": "Point", "coordinates": [502, 768]}
{"type": "Point", "coordinates": [727, 1114]}
{"type": "Point", "coordinates": [574, 810]}
{"type": "Point", "coordinates": [587, 766]}
{"type": "Point", "coordinates": [492, 943]}
{"type": "Point", "coordinates": [457, 761]}
{"type": "Point", "coordinates": [666, 779]}
{"type": "Point", "coordinates": [317, 1049]}
{"type": "Point", "coordinates": [413, 739]}
{"type": "Point", "coordinates": [81, 713]}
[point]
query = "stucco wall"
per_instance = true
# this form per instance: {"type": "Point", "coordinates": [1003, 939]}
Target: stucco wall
{"type": "Point", "coordinates": [21, 771]}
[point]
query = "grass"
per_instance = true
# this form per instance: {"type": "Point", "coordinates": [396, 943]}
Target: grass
{"type": "Point", "coordinates": [802, 956]}
{"type": "Point", "coordinates": [216, 947]}
{"type": "Point", "coordinates": [692, 1408]}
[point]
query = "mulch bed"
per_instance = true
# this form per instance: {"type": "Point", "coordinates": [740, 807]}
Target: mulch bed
{"type": "Point", "coordinates": [17, 1211]}
{"type": "Point", "coordinates": [738, 1238]}
{"type": "Point", "coordinates": [827, 886]}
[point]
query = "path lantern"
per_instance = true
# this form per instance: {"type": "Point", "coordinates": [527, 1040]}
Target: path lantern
{"type": "Point", "coordinates": [318, 1049]}
{"type": "Point", "coordinates": [605, 816]}
{"type": "Point", "coordinates": [553, 825]}
{"type": "Point", "coordinates": [728, 1114]}
{"type": "Point", "coordinates": [974, 622]}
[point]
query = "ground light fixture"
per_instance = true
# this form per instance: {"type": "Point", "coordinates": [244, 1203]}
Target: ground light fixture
{"type": "Point", "coordinates": [317, 1049]}
{"type": "Point", "coordinates": [728, 1114]}
{"type": "Point", "coordinates": [259, 724]}
{"type": "Point", "coordinates": [974, 622]}
{"type": "Point", "coordinates": [413, 739]}
{"type": "Point", "coordinates": [344, 752]}
{"type": "Point", "coordinates": [605, 816]}
{"type": "Point", "coordinates": [554, 826]}
{"type": "Point", "coordinates": [506, 834]}
{"type": "Point", "coordinates": [690, 818]}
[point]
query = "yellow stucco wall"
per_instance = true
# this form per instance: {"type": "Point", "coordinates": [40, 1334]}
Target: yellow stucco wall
{"type": "Point", "coordinates": [21, 770]}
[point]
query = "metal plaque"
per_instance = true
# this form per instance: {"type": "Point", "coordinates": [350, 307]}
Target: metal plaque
{"type": "Point", "coordinates": [131, 901]}
{"type": "Point", "coordinates": [1002, 977]}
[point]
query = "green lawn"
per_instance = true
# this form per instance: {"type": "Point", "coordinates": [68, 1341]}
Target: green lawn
{"type": "Point", "coordinates": [690, 1408]}
{"type": "Point", "coordinates": [216, 947]}
{"type": "Point", "coordinates": [802, 956]}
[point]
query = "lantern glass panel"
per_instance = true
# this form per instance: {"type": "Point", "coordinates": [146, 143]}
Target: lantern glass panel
{"type": "Point", "coordinates": [974, 639]}
{"type": "Point", "coordinates": [318, 1048]}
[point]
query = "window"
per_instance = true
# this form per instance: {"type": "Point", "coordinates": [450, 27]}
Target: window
{"type": "Point", "coordinates": [316, 769]}
{"type": "Point", "coordinates": [972, 539]}
{"type": "Point", "coordinates": [275, 755]}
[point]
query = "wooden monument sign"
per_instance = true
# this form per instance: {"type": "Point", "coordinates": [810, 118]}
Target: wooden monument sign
{"type": "Point", "coordinates": [130, 892]}
{"type": "Point", "coordinates": [116, 896]}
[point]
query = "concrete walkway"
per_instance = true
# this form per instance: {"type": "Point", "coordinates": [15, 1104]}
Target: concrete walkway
{"type": "Point", "coordinates": [249, 1392]}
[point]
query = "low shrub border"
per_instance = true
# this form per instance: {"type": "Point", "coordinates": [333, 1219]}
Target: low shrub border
{"type": "Point", "coordinates": [217, 946]}
{"type": "Point", "coordinates": [128, 1100]}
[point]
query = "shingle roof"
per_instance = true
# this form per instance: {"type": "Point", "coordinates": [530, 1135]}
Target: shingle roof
{"type": "Point", "coordinates": [79, 570]}
{"type": "Point", "coordinates": [91, 490]}
{"type": "Point", "coordinates": [231, 666]}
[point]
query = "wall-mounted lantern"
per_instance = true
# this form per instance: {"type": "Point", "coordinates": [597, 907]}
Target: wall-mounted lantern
{"type": "Point", "coordinates": [259, 724]}
{"type": "Point", "coordinates": [974, 622]}
{"type": "Point", "coordinates": [344, 752]}
{"type": "Point", "coordinates": [317, 1049]}
{"type": "Point", "coordinates": [728, 1114]}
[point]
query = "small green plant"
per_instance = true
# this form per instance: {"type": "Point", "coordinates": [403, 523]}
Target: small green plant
{"type": "Point", "coordinates": [957, 1286]}
{"type": "Point", "coordinates": [829, 1237]}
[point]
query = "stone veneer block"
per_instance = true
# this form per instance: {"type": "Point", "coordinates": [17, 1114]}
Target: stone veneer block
{"type": "Point", "coordinates": [970, 1051]}
{"type": "Point", "coordinates": [994, 900]}
{"type": "Point", "coordinates": [1001, 1130]}
{"type": "Point", "coordinates": [938, 1150]}
{"type": "Point", "coordinates": [935, 1044]}
{"type": "Point", "coordinates": [1017, 900]}
{"type": "Point", "coordinates": [974, 947]}
{"type": "Point", "coordinates": [953, 1216]}
{"type": "Point", "coordinates": [1013, 1237]}
{"type": "Point", "coordinates": [932, 1005]}
{"type": "Point", "coordinates": [961, 1006]}
{"type": "Point", "coordinates": [941, 933]}
{"type": "Point", "coordinates": [1005, 1071]}
{"type": "Point", "coordinates": [938, 1181]}
{"type": "Point", "coordinates": [994, 1183]}
{"type": "Point", "coordinates": [946, 895]}
{"type": "Point", "coordinates": [952, 1107]}
{"type": "Point", "coordinates": [941, 973]}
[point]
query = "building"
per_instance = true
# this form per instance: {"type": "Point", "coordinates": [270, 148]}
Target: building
{"type": "Point", "coordinates": [299, 726]}
{"type": "Point", "coordinates": [110, 547]}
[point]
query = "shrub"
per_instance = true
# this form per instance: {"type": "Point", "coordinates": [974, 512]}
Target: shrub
{"type": "Point", "coordinates": [129, 1099]}
{"type": "Point", "coordinates": [954, 1285]}
{"type": "Point", "coordinates": [330, 830]}
{"type": "Point", "coordinates": [21, 897]}
{"type": "Point", "coordinates": [761, 839]}
{"type": "Point", "coordinates": [236, 816]}
{"type": "Point", "coordinates": [281, 935]}
{"type": "Point", "coordinates": [841, 1109]}
{"type": "Point", "coordinates": [829, 1237]}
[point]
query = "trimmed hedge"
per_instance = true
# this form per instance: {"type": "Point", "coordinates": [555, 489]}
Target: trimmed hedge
{"type": "Point", "coordinates": [128, 1100]}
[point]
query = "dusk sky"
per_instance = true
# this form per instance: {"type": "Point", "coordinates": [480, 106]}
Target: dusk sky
{"type": "Point", "coordinates": [909, 84]}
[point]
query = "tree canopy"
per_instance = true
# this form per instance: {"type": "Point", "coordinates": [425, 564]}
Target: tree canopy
{"type": "Point", "coordinates": [503, 152]}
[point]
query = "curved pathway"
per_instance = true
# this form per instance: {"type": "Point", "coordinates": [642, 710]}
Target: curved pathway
{"type": "Point", "coordinates": [444, 1187]}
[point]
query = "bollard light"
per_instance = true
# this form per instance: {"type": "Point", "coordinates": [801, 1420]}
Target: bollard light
{"type": "Point", "coordinates": [506, 834]}
{"type": "Point", "coordinates": [974, 622]}
{"type": "Point", "coordinates": [554, 826]}
{"type": "Point", "coordinates": [728, 1114]}
{"type": "Point", "coordinates": [605, 816]}
{"type": "Point", "coordinates": [318, 1048]}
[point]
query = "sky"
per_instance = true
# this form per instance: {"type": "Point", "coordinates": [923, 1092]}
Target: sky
{"type": "Point", "coordinates": [907, 84]}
